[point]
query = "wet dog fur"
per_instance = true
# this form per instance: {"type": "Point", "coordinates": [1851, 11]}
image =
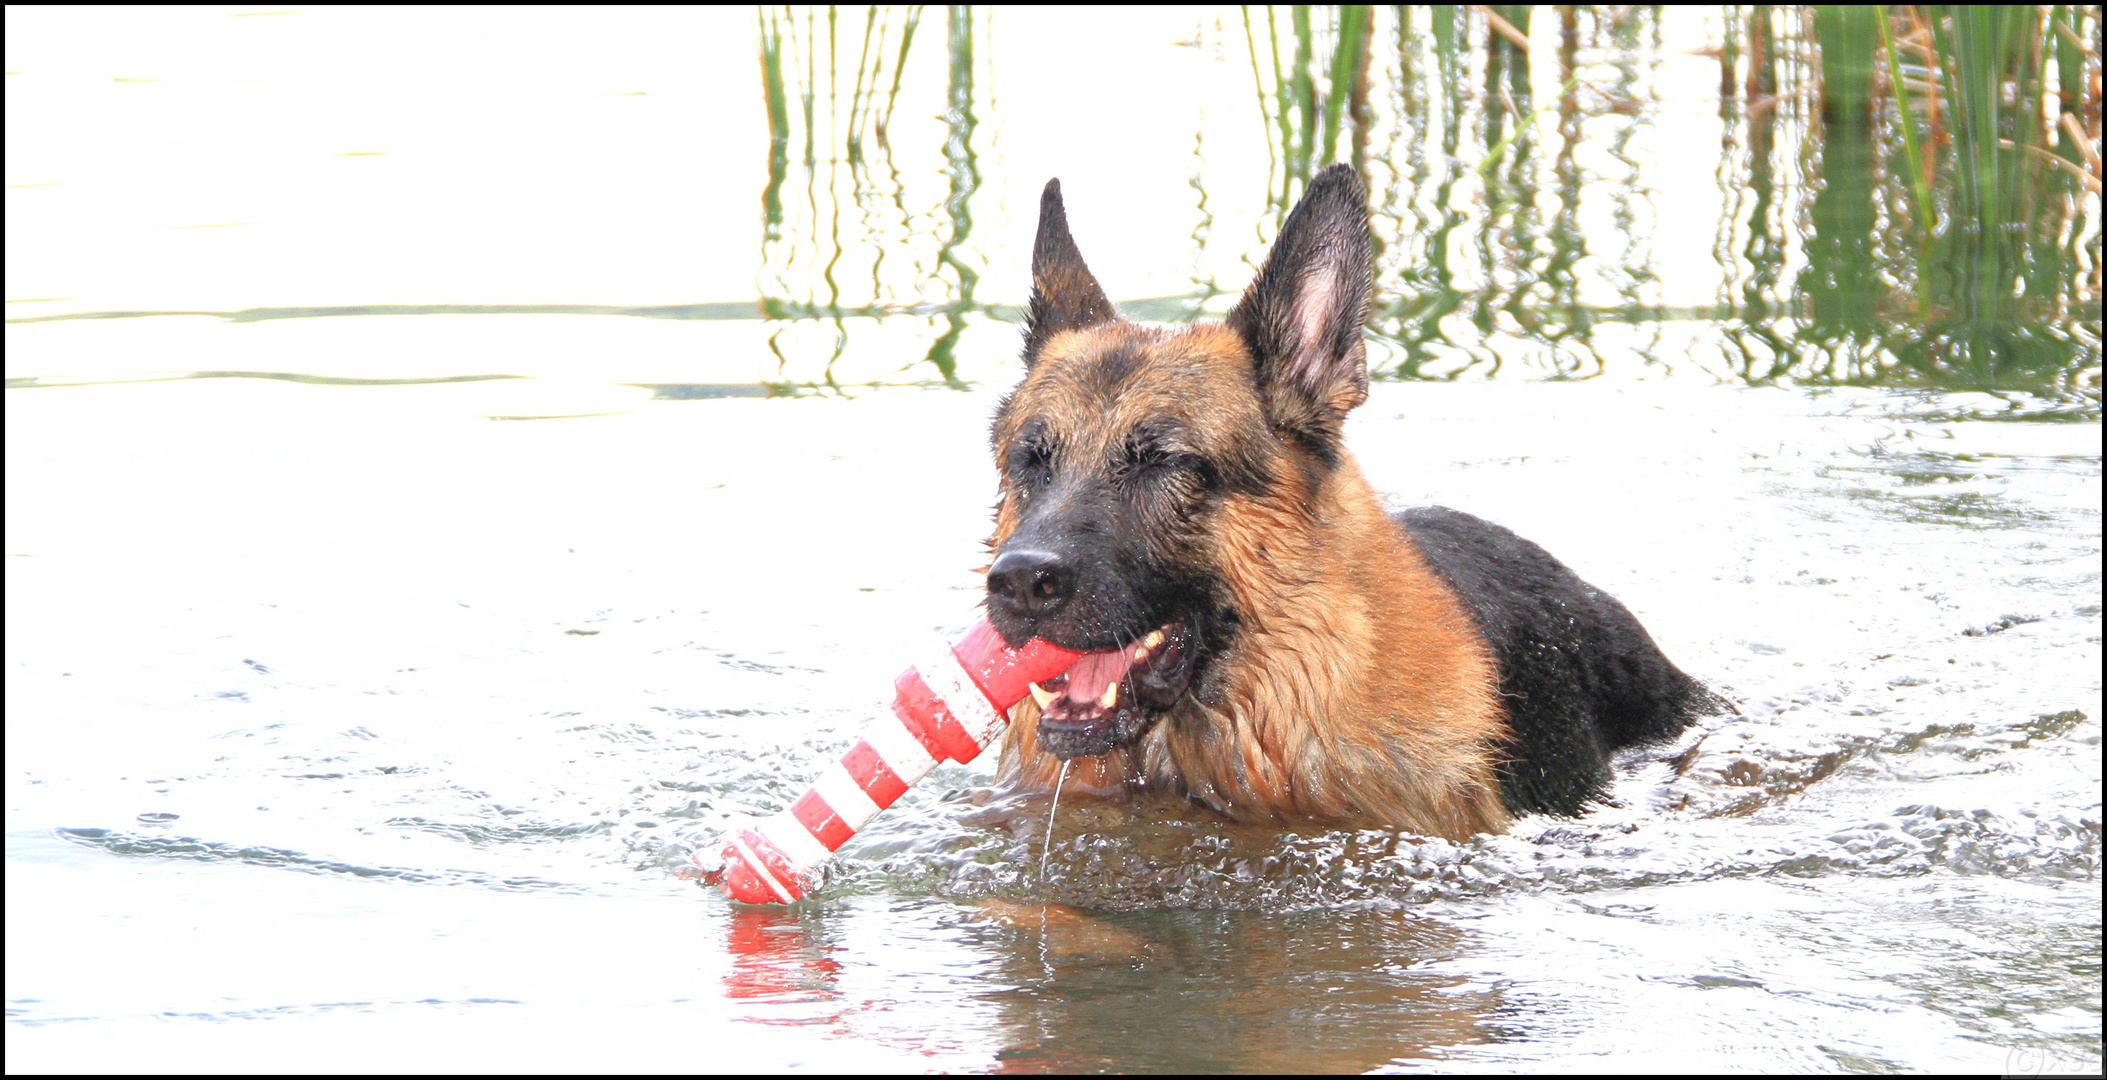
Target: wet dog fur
{"type": "Point", "coordinates": [1261, 637]}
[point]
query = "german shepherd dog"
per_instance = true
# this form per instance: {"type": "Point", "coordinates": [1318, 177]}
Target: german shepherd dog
{"type": "Point", "coordinates": [1259, 636]}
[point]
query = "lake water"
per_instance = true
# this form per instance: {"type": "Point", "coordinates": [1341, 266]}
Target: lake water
{"type": "Point", "coordinates": [353, 727]}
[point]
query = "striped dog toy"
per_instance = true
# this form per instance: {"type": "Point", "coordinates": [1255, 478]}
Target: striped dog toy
{"type": "Point", "coordinates": [949, 706]}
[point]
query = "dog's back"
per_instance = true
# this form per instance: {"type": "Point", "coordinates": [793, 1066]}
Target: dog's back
{"type": "Point", "coordinates": [1579, 677]}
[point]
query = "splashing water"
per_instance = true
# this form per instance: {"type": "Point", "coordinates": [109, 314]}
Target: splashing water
{"type": "Point", "coordinates": [1047, 847]}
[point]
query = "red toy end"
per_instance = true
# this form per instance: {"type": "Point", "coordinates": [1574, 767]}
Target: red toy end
{"type": "Point", "coordinates": [756, 873]}
{"type": "Point", "coordinates": [1002, 673]}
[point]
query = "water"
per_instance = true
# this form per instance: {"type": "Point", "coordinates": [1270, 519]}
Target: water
{"type": "Point", "coordinates": [337, 740]}
{"type": "Point", "coordinates": [344, 719]}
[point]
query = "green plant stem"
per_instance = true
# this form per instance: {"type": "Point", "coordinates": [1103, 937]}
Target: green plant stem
{"type": "Point", "coordinates": [1907, 118]}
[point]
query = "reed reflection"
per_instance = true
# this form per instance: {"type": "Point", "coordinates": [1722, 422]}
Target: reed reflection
{"type": "Point", "coordinates": [1905, 194]}
{"type": "Point", "coordinates": [1951, 235]}
{"type": "Point", "coordinates": [864, 270]}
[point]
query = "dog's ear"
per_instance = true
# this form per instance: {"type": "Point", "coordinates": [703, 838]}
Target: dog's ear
{"type": "Point", "coordinates": [1302, 318]}
{"type": "Point", "coordinates": [1064, 294]}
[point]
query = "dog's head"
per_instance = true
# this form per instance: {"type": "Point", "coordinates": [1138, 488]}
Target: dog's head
{"type": "Point", "coordinates": [1136, 460]}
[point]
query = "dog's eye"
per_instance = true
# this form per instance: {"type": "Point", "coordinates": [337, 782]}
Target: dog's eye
{"type": "Point", "coordinates": [1031, 469]}
{"type": "Point", "coordinates": [1158, 463]}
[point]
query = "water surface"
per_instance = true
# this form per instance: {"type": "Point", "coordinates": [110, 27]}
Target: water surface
{"type": "Point", "coordinates": [325, 738]}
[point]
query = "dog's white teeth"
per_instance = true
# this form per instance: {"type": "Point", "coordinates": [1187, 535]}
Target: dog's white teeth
{"type": "Point", "coordinates": [1042, 695]}
{"type": "Point", "coordinates": [1154, 639]}
{"type": "Point", "coordinates": [1111, 696]}
{"type": "Point", "coordinates": [1141, 652]}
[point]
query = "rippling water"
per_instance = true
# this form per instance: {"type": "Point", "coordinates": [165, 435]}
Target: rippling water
{"type": "Point", "coordinates": [361, 716]}
{"type": "Point", "coordinates": [349, 728]}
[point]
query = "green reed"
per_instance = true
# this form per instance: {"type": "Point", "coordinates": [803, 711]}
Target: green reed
{"type": "Point", "coordinates": [1318, 95]}
{"type": "Point", "coordinates": [1913, 155]}
{"type": "Point", "coordinates": [1998, 185]}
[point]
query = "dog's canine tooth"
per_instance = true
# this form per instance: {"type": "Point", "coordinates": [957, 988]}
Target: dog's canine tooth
{"type": "Point", "coordinates": [1111, 696]}
{"type": "Point", "coordinates": [1042, 695]}
{"type": "Point", "coordinates": [1154, 639]}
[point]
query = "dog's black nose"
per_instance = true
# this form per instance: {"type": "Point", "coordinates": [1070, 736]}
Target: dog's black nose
{"type": "Point", "coordinates": [1030, 583]}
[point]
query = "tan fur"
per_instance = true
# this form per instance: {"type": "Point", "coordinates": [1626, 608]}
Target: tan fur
{"type": "Point", "coordinates": [1358, 694]}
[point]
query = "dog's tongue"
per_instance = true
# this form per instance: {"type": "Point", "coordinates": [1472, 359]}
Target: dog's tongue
{"type": "Point", "coordinates": [1093, 672]}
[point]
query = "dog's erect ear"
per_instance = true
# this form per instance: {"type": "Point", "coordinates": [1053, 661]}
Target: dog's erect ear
{"type": "Point", "coordinates": [1064, 295]}
{"type": "Point", "coordinates": [1302, 318]}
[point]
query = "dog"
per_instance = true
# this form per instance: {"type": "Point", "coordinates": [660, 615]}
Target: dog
{"type": "Point", "coordinates": [1259, 636]}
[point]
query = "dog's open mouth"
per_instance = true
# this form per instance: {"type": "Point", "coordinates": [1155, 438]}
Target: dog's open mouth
{"type": "Point", "coordinates": [1106, 699]}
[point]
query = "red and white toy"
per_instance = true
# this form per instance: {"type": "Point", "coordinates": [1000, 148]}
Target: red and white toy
{"type": "Point", "coordinates": [949, 706]}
